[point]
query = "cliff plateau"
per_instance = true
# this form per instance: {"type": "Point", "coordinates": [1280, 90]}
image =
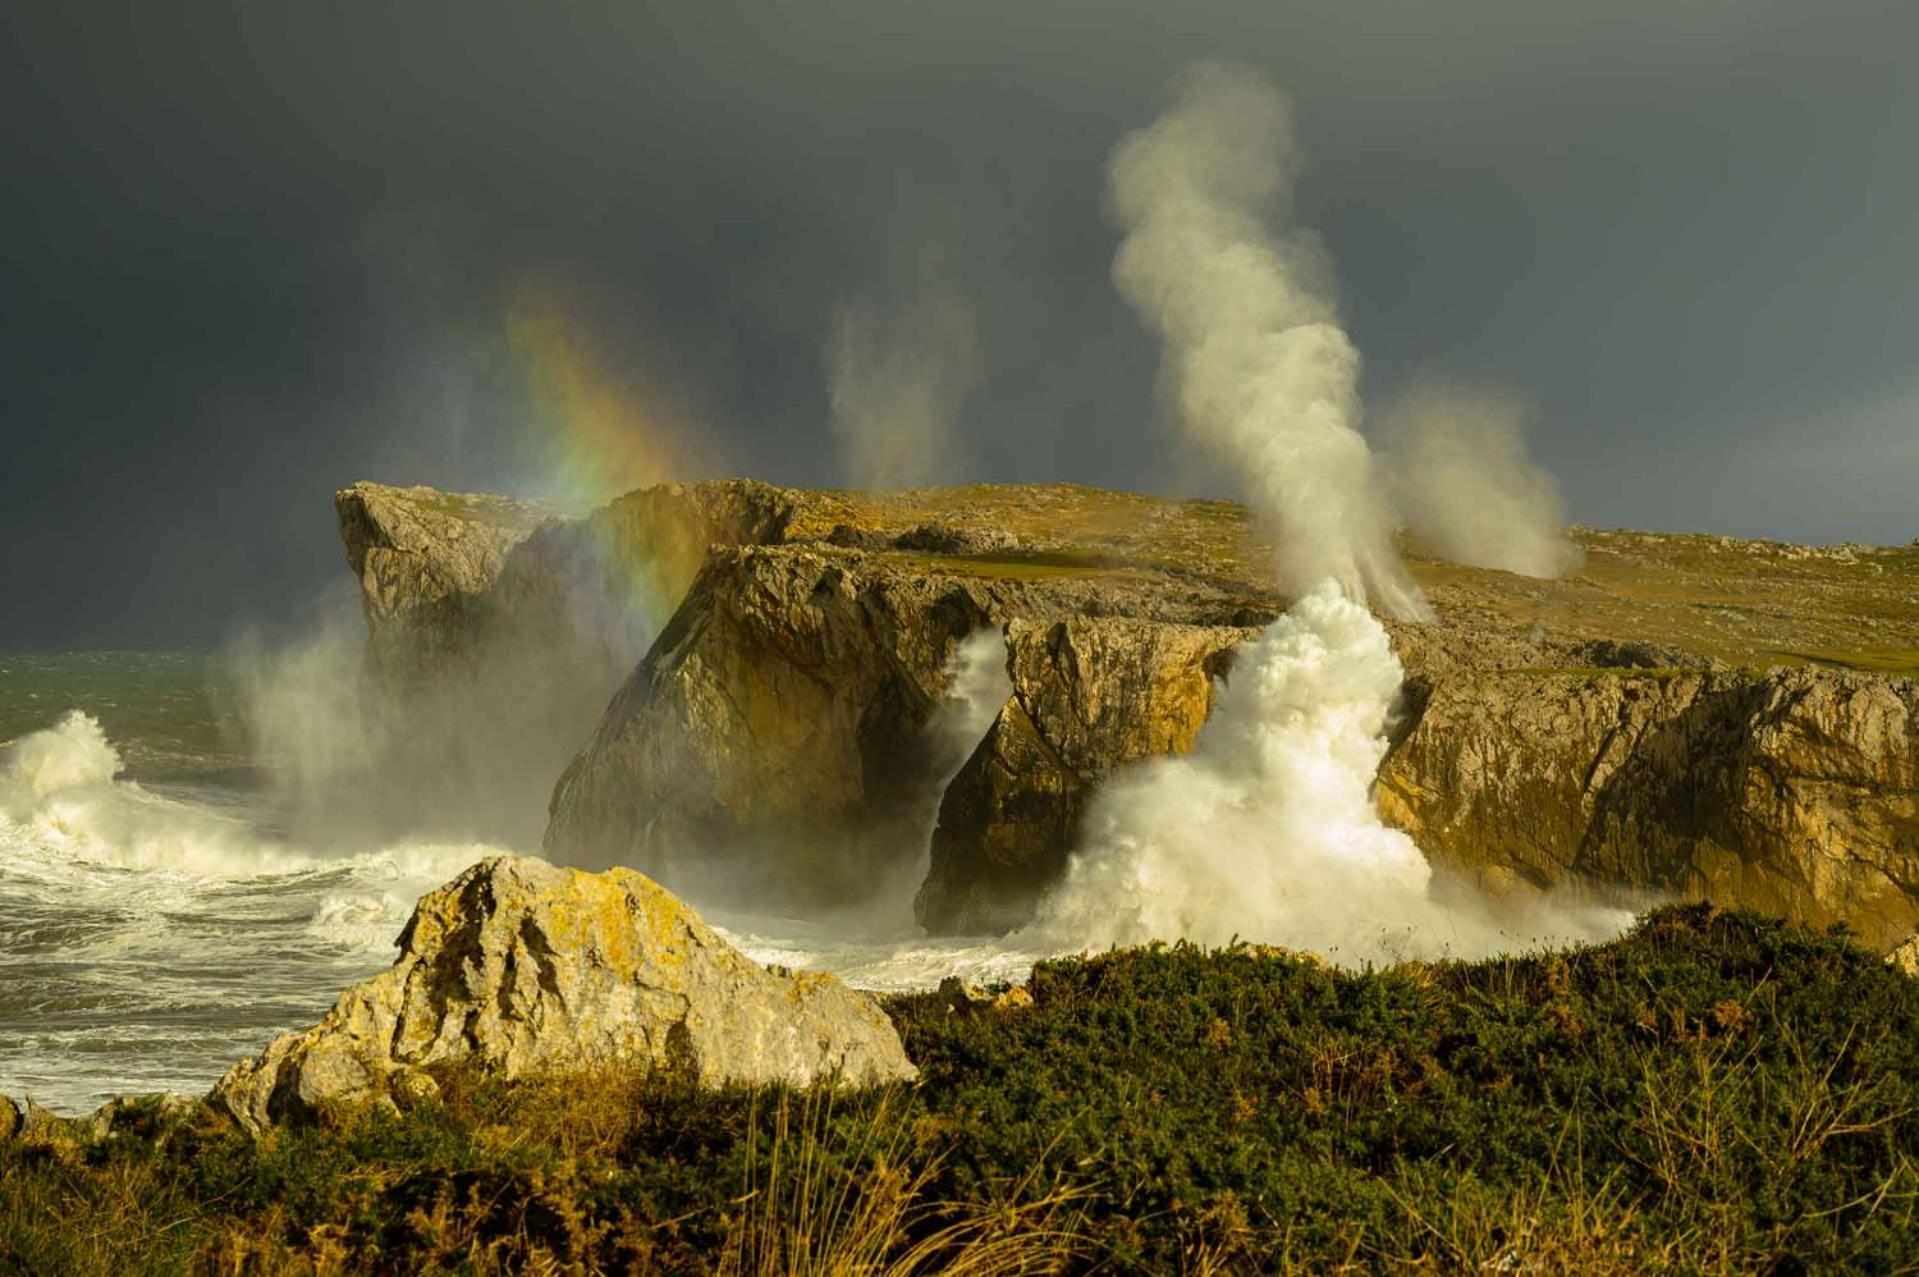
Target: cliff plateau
{"type": "Point", "coordinates": [1683, 715]}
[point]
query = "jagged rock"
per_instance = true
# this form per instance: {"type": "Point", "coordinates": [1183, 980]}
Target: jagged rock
{"type": "Point", "coordinates": [1793, 791]}
{"type": "Point", "coordinates": [439, 571]}
{"type": "Point", "coordinates": [943, 538]}
{"type": "Point", "coordinates": [29, 1123]}
{"type": "Point", "coordinates": [772, 729]}
{"type": "Point", "coordinates": [141, 1116]}
{"type": "Point", "coordinates": [1905, 958]}
{"type": "Point", "coordinates": [775, 729]}
{"type": "Point", "coordinates": [1089, 695]}
{"type": "Point", "coordinates": [775, 720]}
{"type": "Point", "coordinates": [425, 559]}
{"type": "Point", "coordinates": [522, 967]}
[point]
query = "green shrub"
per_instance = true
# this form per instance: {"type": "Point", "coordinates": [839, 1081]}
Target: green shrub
{"type": "Point", "coordinates": [1715, 1092]}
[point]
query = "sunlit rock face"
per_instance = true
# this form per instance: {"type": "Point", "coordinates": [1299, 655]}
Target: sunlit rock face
{"type": "Point", "coordinates": [521, 967]}
{"type": "Point", "coordinates": [1794, 791]}
{"type": "Point", "coordinates": [1089, 695]}
{"type": "Point", "coordinates": [775, 734]}
{"type": "Point", "coordinates": [1685, 715]}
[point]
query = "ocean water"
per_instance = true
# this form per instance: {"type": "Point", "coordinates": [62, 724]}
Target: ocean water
{"type": "Point", "coordinates": [156, 923]}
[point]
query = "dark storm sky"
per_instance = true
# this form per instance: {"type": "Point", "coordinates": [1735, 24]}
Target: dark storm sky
{"type": "Point", "coordinates": [250, 253]}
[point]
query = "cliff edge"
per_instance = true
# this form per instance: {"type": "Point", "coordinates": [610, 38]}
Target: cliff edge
{"type": "Point", "coordinates": [1684, 715]}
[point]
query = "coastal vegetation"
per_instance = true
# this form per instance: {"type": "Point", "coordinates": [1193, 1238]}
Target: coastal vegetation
{"type": "Point", "coordinates": [1715, 1092]}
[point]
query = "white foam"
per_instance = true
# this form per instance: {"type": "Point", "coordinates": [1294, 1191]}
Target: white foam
{"type": "Point", "coordinates": [1267, 831]}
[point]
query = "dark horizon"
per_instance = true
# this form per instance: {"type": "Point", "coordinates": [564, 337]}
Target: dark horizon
{"type": "Point", "coordinates": [252, 257]}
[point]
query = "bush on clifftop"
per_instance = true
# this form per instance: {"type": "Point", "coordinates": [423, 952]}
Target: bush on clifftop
{"type": "Point", "coordinates": [1715, 1092]}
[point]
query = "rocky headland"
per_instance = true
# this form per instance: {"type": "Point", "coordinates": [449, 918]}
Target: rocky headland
{"type": "Point", "coordinates": [1682, 716]}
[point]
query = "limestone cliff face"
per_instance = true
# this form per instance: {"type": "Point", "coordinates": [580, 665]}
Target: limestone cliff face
{"type": "Point", "coordinates": [771, 727]}
{"type": "Point", "coordinates": [425, 561]}
{"type": "Point", "coordinates": [443, 576]}
{"type": "Point", "coordinates": [1794, 791]}
{"type": "Point", "coordinates": [776, 730]}
{"type": "Point", "coordinates": [521, 967]}
{"type": "Point", "coordinates": [496, 632]}
{"type": "Point", "coordinates": [1089, 695]}
{"type": "Point", "coordinates": [1597, 730]}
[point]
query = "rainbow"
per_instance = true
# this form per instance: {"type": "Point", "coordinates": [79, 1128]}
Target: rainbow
{"type": "Point", "coordinates": [599, 433]}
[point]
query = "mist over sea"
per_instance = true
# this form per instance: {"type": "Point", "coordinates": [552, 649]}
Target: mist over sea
{"type": "Point", "coordinates": [157, 923]}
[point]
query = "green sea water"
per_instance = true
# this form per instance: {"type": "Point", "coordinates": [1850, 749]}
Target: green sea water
{"type": "Point", "coordinates": [154, 924]}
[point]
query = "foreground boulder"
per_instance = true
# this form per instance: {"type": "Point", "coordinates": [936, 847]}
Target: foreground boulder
{"type": "Point", "coordinates": [521, 967]}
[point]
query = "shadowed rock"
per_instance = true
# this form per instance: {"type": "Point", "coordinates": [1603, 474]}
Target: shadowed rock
{"type": "Point", "coordinates": [521, 967]}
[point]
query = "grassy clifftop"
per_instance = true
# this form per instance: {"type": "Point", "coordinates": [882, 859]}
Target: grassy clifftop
{"type": "Point", "coordinates": [1714, 1093]}
{"type": "Point", "coordinates": [1742, 602]}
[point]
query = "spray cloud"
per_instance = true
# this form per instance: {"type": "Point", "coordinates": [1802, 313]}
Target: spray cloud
{"type": "Point", "coordinates": [897, 376]}
{"type": "Point", "coordinates": [1267, 831]}
{"type": "Point", "coordinates": [1253, 355]}
{"type": "Point", "coordinates": [1455, 456]}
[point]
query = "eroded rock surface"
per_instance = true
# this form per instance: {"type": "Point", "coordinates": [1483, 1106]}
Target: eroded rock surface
{"type": "Point", "coordinates": [522, 967]}
{"type": "Point", "coordinates": [1793, 791]}
{"type": "Point", "coordinates": [1683, 714]}
{"type": "Point", "coordinates": [775, 732]}
{"type": "Point", "coordinates": [1089, 695]}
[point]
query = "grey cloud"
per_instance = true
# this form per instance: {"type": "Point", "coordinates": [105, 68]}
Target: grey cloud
{"type": "Point", "coordinates": [251, 253]}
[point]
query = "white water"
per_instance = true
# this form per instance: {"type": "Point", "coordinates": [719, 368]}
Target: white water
{"type": "Point", "coordinates": [148, 939]}
{"type": "Point", "coordinates": [1267, 831]}
{"type": "Point", "coordinates": [151, 936]}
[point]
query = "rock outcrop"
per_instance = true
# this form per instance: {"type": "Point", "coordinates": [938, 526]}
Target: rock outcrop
{"type": "Point", "coordinates": [1089, 695]}
{"type": "Point", "coordinates": [775, 732]}
{"type": "Point", "coordinates": [426, 561]}
{"type": "Point", "coordinates": [1686, 714]}
{"type": "Point", "coordinates": [498, 629]}
{"type": "Point", "coordinates": [521, 967]}
{"type": "Point", "coordinates": [1793, 791]}
{"type": "Point", "coordinates": [143, 1116]}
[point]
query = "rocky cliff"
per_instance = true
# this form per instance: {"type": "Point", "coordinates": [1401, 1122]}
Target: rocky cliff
{"type": "Point", "coordinates": [1795, 791]}
{"type": "Point", "coordinates": [521, 967]}
{"type": "Point", "coordinates": [1683, 715]}
{"type": "Point", "coordinates": [1089, 694]}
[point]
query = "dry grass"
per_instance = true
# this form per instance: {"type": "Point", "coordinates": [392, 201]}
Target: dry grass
{"type": "Point", "coordinates": [808, 1214]}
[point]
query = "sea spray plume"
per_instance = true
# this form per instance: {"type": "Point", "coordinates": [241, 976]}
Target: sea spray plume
{"type": "Point", "coordinates": [1455, 457]}
{"type": "Point", "coordinates": [466, 751]}
{"type": "Point", "coordinates": [1269, 823]}
{"type": "Point", "coordinates": [897, 377]}
{"type": "Point", "coordinates": [1253, 355]}
{"type": "Point", "coordinates": [1267, 831]}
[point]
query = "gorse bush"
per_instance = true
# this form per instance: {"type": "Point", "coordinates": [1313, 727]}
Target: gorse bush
{"type": "Point", "coordinates": [1717, 1092]}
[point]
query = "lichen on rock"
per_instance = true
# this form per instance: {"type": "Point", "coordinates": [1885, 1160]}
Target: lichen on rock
{"type": "Point", "coordinates": [521, 967]}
